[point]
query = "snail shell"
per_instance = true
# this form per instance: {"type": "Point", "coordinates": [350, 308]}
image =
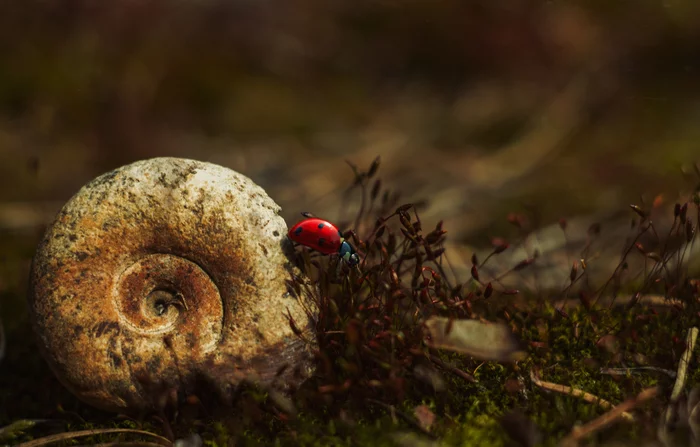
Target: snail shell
{"type": "Point", "coordinates": [159, 273]}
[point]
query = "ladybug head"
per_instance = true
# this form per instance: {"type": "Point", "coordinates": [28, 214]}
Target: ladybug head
{"type": "Point", "coordinates": [347, 253]}
{"type": "Point", "coordinates": [353, 260]}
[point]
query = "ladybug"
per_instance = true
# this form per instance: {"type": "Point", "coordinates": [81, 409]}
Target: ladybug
{"type": "Point", "coordinates": [323, 237]}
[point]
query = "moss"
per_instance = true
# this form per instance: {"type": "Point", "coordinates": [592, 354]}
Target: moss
{"type": "Point", "coordinates": [367, 387]}
{"type": "Point", "coordinates": [480, 429]}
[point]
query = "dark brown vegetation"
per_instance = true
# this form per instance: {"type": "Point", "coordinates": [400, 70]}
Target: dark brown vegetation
{"type": "Point", "coordinates": [381, 381]}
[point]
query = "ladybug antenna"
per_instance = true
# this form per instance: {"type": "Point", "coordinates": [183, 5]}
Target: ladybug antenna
{"type": "Point", "coordinates": [307, 214]}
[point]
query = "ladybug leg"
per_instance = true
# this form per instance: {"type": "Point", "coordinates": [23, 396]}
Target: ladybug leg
{"type": "Point", "coordinates": [338, 265]}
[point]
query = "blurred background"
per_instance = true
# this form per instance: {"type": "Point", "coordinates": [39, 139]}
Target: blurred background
{"type": "Point", "coordinates": [550, 108]}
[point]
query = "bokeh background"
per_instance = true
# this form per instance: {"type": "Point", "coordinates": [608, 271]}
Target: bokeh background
{"type": "Point", "coordinates": [552, 108]}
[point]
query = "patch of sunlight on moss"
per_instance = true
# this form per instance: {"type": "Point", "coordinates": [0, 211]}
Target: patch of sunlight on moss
{"type": "Point", "coordinates": [481, 430]}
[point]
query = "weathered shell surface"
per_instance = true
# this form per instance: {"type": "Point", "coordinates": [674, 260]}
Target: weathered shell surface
{"type": "Point", "coordinates": [155, 272]}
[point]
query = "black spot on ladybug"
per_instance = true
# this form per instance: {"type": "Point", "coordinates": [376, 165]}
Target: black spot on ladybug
{"type": "Point", "coordinates": [321, 242]}
{"type": "Point", "coordinates": [298, 231]}
{"type": "Point", "coordinates": [321, 225]}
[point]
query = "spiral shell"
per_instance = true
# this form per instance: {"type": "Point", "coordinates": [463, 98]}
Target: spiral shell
{"type": "Point", "coordinates": [159, 273]}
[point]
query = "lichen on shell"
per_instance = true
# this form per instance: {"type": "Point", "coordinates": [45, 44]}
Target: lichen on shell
{"type": "Point", "coordinates": [158, 273]}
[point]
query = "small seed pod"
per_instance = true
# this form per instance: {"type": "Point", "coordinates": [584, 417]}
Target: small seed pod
{"type": "Point", "coordinates": [160, 274]}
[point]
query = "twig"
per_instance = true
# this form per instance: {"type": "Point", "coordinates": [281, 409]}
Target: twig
{"type": "Point", "coordinates": [681, 375]}
{"type": "Point", "coordinates": [453, 369]}
{"type": "Point", "coordinates": [588, 397]}
{"type": "Point", "coordinates": [636, 370]}
{"type": "Point", "coordinates": [578, 433]}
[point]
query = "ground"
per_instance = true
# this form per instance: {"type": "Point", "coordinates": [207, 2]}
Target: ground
{"type": "Point", "coordinates": [485, 115]}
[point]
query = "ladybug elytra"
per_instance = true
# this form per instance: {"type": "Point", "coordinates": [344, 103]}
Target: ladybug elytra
{"type": "Point", "coordinates": [323, 237]}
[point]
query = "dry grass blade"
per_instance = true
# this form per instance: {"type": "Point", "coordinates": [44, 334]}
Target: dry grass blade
{"type": "Point", "coordinates": [563, 389]}
{"type": "Point", "coordinates": [681, 375]}
{"type": "Point", "coordinates": [671, 413]}
{"type": "Point", "coordinates": [492, 341]}
{"type": "Point", "coordinates": [79, 434]}
{"type": "Point", "coordinates": [637, 370]}
{"type": "Point", "coordinates": [578, 433]}
{"type": "Point", "coordinates": [454, 370]}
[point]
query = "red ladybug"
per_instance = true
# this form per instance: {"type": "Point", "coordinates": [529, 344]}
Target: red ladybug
{"type": "Point", "coordinates": [323, 237]}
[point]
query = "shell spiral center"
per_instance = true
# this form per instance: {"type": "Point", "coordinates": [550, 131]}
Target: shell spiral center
{"type": "Point", "coordinates": [167, 294]}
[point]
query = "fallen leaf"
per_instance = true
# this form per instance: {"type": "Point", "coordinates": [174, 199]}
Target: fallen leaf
{"type": "Point", "coordinates": [424, 416]}
{"type": "Point", "coordinates": [484, 341]}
